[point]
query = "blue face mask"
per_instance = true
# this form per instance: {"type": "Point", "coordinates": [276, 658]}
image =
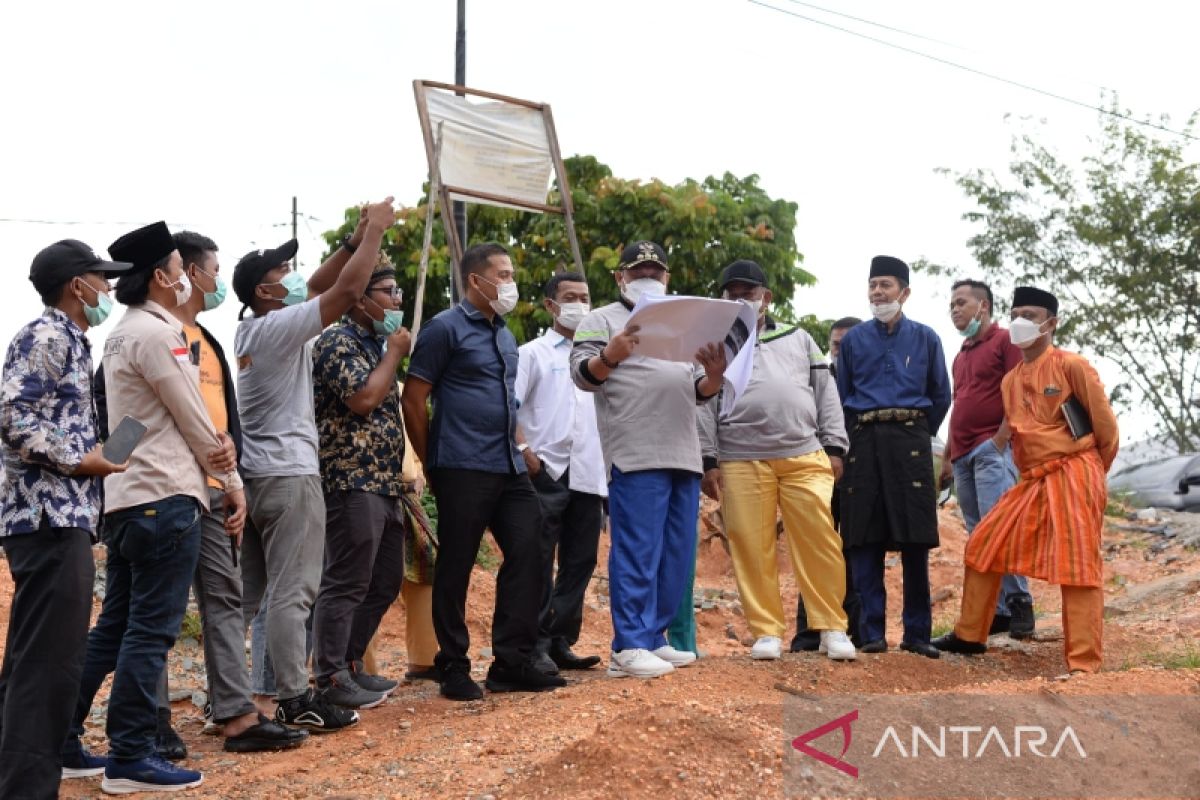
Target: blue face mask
{"type": "Point", "coordinates": [95, 315]}
{"type": "Point", "coordinates": [972, 326]}
{"type": "Point", "coordinates": [297, 288]}
{"type": "Point", "coordinates": [214, 298]}
{"type": "Point", "coordinates": [391, 322]}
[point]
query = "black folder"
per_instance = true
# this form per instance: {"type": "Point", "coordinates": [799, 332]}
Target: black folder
{"type": "Point", "coordinates": [1077, 418]}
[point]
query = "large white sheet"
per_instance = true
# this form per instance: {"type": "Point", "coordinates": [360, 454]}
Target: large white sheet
{"type": "Point", "coordinates": [674, 328]}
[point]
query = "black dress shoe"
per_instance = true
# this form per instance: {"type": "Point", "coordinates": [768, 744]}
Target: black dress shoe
{"type": "Point", "coordinates": [544, 664]}
{"type": "Point", "coordinates": [265, 736]}
{"type": "Point", "coordinates": [521, 678]}
{"type": "Point", "coordinates": [952, 644]}
{"type": "Point", "coordinates": [457, 685]}
{"type": "Point", "coordinates": [423, 674]}
{"type": "Point", "coordinates": [806, 642]}
{"type": "Point", "coordinates": [565, 659]}
{"type": "Point", "coordinates": [877, 646]}
{"type": "Point", "coordinates": [922, 649]}
{"type": "Point", "coordinates": [1022, 617]}
{"type": "Point", "coordinates": [1000, 624]}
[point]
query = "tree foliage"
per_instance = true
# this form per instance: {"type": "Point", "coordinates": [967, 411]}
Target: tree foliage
{"type": "Point", "coordinates": [703, 226]}
{"type": "Point", "coordinates": [1117, 239]}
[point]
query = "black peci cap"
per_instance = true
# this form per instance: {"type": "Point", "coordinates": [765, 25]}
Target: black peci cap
{"type": "Point", "coordinates": [1039, 298]}
{"type": "Point", "coordinates": [62, 261]}
{"type": "Point", "coordinates": [889, 266]}
{"type": "Point", "coordinates": [144, 247]}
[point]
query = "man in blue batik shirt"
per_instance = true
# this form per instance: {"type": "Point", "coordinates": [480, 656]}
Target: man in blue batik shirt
{"type": "Point", "coordinates": [892, 378]}
{"type": "Point", "coordinates": [51, 503]}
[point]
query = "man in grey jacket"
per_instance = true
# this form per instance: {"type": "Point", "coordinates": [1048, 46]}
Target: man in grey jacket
{"type": "Point", "coordinates": [645, 411]}
{"type": "Point", "coordinates": [780, 447]}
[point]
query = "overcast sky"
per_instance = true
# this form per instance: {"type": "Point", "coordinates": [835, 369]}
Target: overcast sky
{"type": "Point", "coordinates": [213, 115]}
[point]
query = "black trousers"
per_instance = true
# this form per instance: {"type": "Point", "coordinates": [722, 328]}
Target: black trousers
{"type": "Point", "coordinates": [364, 567]}
{"type": "Point", "coordinates": [52, 571]}
{"type": "Point", "coordinates": [468, 501]}
{"type": "Point", "coordinates": [810, 640]}
{"type": "Point", "coordinates": [571, 524]}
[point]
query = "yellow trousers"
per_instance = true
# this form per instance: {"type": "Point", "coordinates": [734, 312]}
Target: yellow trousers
{"type": "Point", "coordinates": [800, 488]}
{"type": "Point", "coordinates": [420, 641]}
{"type": "Point", "coordinates": [1082, 615]}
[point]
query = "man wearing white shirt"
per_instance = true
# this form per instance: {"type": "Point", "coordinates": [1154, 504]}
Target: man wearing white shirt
{"type": "Point", "coordinates": [561, 446]}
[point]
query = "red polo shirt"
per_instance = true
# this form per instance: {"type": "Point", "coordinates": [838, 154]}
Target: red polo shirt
{"type": "Point", "coordinates": [978, 405]}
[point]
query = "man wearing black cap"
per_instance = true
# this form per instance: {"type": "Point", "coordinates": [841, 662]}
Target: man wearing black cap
{"type": "Point", "coordinates": [1048, 526]}
{"type": "Point", "coordinates": [152, 510]}
{"type": "Point", "coordinates": [779, 449]}
{"type": "Point", "coordinates": [49, 510]}
{"type": "Point", "coordinates": [893, 382]}
{"type": "Point", "coordinates": [282, 551]}
{"type": "Point", "coordinates": [645, 410]}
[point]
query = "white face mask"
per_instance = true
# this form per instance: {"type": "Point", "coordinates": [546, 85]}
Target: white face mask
{"type": "Point", "coordinates": [756, 306]}
{"type": "Point", "coordinates": [571, 314]}
{"type": "Point", "coordinates": [183, 290]}
{"type": "Point", "coordinates": [885, 311]}
{"type": "Point", "coordinates": [634, 290]}
{"type": "Point", "coordinates": [506, 296]}
{"type": "Point", "coordinates": [1024, 333]}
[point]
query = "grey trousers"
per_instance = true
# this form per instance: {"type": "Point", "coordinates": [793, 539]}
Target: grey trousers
{"type": "Point", "coordinates": [218, 590]}
{"type": "Point", "coordinates": [282, 551]}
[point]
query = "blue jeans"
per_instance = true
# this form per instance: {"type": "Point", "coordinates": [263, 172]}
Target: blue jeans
{"type": "Point", "coordinates": [653, 514]}
{"type": "Point", "coordinates": [981, 477]}
{"type": "Point", "coordinates": [152, 554]}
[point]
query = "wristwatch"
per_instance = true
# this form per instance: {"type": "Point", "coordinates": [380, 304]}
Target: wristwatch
{"type": "Point", "coordinates": [346, 244]}
{"type": "Point", "coordinates": [522, 447]}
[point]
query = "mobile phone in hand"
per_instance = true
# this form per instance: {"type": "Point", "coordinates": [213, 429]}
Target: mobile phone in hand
{"type": "Point", "coordinates": [124, 438]}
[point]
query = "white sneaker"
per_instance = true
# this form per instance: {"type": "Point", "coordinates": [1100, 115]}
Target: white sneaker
{"type": "Point", "coordinates": [837, 645]}
{"type": "Point", "coordinates": [676, 658]}
{"type": "Point", "coordinates": [767, 648]}
{"type": "Point", "coordinates": [637, 663]}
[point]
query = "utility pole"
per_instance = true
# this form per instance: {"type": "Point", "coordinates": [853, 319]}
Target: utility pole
{"type": "Point", "coordinates": [460, 79]}
{"type": "Point", "coordinates": [295, 220]}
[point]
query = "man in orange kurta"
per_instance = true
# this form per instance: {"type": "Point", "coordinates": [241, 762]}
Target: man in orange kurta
{"type": "Point", "coordinates": [1047, 526]}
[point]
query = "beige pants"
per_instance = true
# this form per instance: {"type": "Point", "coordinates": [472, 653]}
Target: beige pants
{"type": "Point", "coordinates": [420, 643]}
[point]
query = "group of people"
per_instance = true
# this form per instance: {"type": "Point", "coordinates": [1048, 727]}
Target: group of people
{"type": "Point", "coordinates": [288, 498]}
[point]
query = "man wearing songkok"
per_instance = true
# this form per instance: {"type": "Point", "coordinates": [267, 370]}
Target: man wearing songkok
{"type": "Point", "coordinates": [562, 452]}
{"type": "Point", "coordinates": [645, 411]}
{"type": "Point", "coordinates": [49, 509]}
{"type": "Point", "coordinates": [893, 383]}
{"type": "Point", "coordinates": [978, 454]}
{"type": "Point", "coordinates": [779, 450]}
{"type": "Point", "coordinates": [152, 510]}
{"type": "Point", "coordinates": [1048, 526]}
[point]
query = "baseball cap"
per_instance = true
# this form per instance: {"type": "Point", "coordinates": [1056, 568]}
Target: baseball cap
{"type": "Point", "coordinates": [250, 270]}
{"type": "Point", "coordinates": [64, 260]}
{"type": "Point", "coordinates": [743, 271]}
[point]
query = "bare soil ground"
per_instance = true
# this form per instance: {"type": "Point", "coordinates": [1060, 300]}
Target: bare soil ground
{"type": "Point", "coordinates": [712, 730]}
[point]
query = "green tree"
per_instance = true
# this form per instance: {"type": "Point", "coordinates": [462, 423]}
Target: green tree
{"type": "Point", "coordinates": [703, 226]}
{"type": "Point", "coordinates": [1118, 240]}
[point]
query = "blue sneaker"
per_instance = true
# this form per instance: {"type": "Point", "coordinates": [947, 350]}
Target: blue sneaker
{"type": "Point", "coordinates": [150, 774]}
{"type": "Point", "coordinates": [79, 763]}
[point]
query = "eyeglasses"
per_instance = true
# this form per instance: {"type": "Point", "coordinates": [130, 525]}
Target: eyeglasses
{"type": "Point", "coordinates": [396, 292]}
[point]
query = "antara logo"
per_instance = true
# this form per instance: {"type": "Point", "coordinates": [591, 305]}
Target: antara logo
{"type": "Point", "coordinates": [1026, 740]}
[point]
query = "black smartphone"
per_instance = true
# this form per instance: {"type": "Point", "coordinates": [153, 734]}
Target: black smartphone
{"type": "Point", "coordinates": [124, 438]}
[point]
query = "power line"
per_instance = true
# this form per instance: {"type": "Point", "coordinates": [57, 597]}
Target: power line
{"type": "Point", "coordinates": [875, 24]}
{"type": "Point", "coordinates": [974, 71]}
{"type": "Point", "coordinates": [180, 225]}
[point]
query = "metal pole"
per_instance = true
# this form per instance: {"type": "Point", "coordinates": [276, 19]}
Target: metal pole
{"type": "Point", "coordinates": [427, 243]}
{"type": "Point", "coordinates": [460, 79]}
{"type": "Point", "coordinates": [295, 220]}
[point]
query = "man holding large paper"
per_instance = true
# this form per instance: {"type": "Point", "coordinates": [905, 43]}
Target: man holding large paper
{"type": "Point", "coordinates": [645, 410]}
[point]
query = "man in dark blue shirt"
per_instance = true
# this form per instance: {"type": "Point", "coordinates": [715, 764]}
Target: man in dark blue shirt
{"type": "Point", "coordinates": [891, 374]}
{"type": "Point", "coordinates": [466, 360]}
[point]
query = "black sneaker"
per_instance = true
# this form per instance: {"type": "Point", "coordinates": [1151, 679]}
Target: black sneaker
{"type": "Point", "coordinates": [1000, 624]}
{"type": "Point", "coordinates": [523, 678]}
{"type": "Point", "coordinates": [372, 683]}
{"type": "Point", "coordinates": [167, 743]}
{"type": "Point", "coordinates": [312, 711]}
{"type": "Point", "coordinates": [457, 685]}
{"type": "Point", "coordinates": [1022, 617]}
{"type": "Point", "coordinates": [343, 690]}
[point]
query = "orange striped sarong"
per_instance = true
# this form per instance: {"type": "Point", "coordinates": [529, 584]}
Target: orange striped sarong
{"type": "Point", "coordinates": [1047, 526]}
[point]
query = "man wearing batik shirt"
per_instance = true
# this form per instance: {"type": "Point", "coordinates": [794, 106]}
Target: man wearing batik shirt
{"type": "Point", "coordinates": [50, 498]}
{"type": "Point", "coordinates": [361, 436]}
{"type": "Point", "coordinates": [1048, 526]}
